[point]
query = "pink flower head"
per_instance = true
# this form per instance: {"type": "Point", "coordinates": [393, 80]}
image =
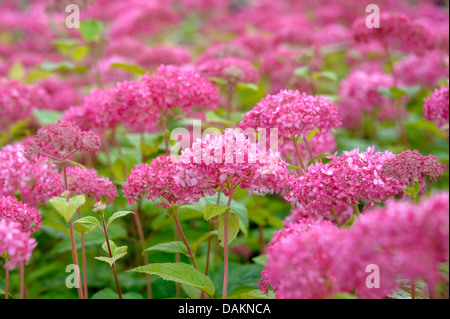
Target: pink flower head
{"type": "Point", "coordinates": [436, 107]}
{"type": "Point", "coordinates": [162, 54]}
{"type": "Point", "coordinates": [232, 70]}
{"type": "Point", "coordinates": [338, 214]}
{"type": "Point", "coordinates": [293, 114]}
{"type": "Point", "coordinates": [36, 183]}
{"type": "Point", "coordinates": [410, 166]}
{"type": "Point", "coordinates": [62, 137]}
{"type": "Point", "coordinates": [87, 182]}
{"type": "Point", "coordinates": [231, 160]}
{"type": "Point", "coordinates": [225, 50]}
{"type": "Point", "coordinates": [16, 243]}
{"type": "Point", "coordinates": [424, 70]}
{"type": "Point", "coordinates": [404, 240]}
{"type": "Point", "coordinates": [27, 217]}
{"type": "Point", "coordinates": [397, 31]}
{"type": "Point", "coordinates": [172, 86]}
{"type": "Point", "coordinates": [352, 178]}
{"type": "Point", "coordinates": [359, 95]}
{"type": "Point", "coordinates": [17, 101]}
{"type": "Point", "coordinates": [158, 180]}
{"type": "Point", "coordinates": [305, 262]}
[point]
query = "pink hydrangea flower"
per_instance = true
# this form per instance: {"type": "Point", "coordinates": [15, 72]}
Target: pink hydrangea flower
{"type": "Point", "coordinates": [163, 54]}
{"type": "Point", "coordinates": [231, 160]}
{"type": "Point", "coordinates": [87, 182]}
{"type": "Point", "coordinates": [17, 101]}
{"type": "Point", "coordinates": [436, 107]}
{"type": "Point", "coordinates": [294, 114]}
{"type": "Point", "coordinates": [29, 218]}
{"type": "Point", "coordinates": [36, 183]}
{"type": "Point", "coordinates": [231, 70]}
{"type": "Point", "coordinates": [409, 167]}
{"type": "Point", "coordinates": [360, 96]}
{"type": "Point", "coordinates": [397, 31]}
{"type": "Point", "coordinates": [61, 137]}
{"type": "Point", "coordinates": [158, 181]}
{"type": "Point", "coordinates": [353, 178]}
{"type": "Point", "coordinates": [172, 86]}
{"type": "Point", "coordinates": [16, 243]}
{"type": "Point", "coordinates": [424, 70]}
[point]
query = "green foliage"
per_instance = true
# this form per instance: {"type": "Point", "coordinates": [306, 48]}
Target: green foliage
{"type": "Point", "coordinates": [181, 273]}
{"type": "Point", "coordinates": [170, 247]}
{"type": "Point", "coordinates": [67, 208]}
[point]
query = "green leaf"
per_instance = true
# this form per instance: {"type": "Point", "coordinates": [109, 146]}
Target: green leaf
{"type": "Point", "coordinates": [329, 75]}
{"type": "Point", "coordinates": [233, 228]}
{"type": "Point", "coordinates": [67, 208]}
{"type": "Point", "coordinates": [89, 220]}
{"type": "Point", "coordinates": [324, 155]}
{"type": "Point", "coordinates": [197, 243]}
{"type": "Point", "coordinates": [412, 191]}
{"type": "Point", "coordinates": [63, 66]}
{"type": "Point", "coordinates": [294, 167]}
{"type": "Point", "coordinates": [170, 247]}
{"type": "Point", "coordinates": [132, 68]}
{"type": "Point", "coordinates": [349, 222]}
{"type": "Point", "coordinates": [250, 86]}
{"type": "Point", "coordinates": [84, 228]}
{"type": "Point", "coordinates": [344, 295]}
{"type": "Point", "coordinates": [258, 294]}
{"type": "Point", "coordinates": [117, 215]}
{"type": "Point", "coordinates": [117, 253]}
{"type": "Point", "coordinates": [212, 210]}
{"type": "Point", "coordinates": [45, 117]}
{"type": "Point", "coordinates": [405, 289]}
{"type": "Point", "coordinates": [181, 273]}
{"type": "Point", "coordinates": [302, 72]}
{"type": "Point", "coordinates": [91, 30]}
{"type": "Point", "coordinates": [312, 134]}
{"type": "Point", "coordinates": [260, 260]}
{"type": "Point", "coordinates": [77, 164]}
{"type": "Point", "coordinates": [16, 71]}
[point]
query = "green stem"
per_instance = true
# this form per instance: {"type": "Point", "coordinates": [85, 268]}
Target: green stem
{"type": "Point", "coordinates": [7, 284]}
{"type": "Point", "coordinates": [225, 248]}
{"type": "Point", "coordinates": [113, 266]}
{"type": "Point", "coordinates": [297, 151]}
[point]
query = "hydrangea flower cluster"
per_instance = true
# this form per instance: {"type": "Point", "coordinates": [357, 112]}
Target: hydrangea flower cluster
{"type": "Point", "coordinates": [29, 218]}
{"type": "Point", "coordinates": [231, 70]}
{"type": "Point", "coordinates": [173, 86]}
{"type": "Point", "coordinates": [158, 180]}
{"type": "Point", "coordinates": [17, 101]}
{"type": "Point", "coordinates": [16, 243]}
{"type": "Point", "coordinates": [60, 138]}
{"type": "Point", "coordinates": [409, 167]}
{"type": "Point", "coordinates": [36, 183]}
{"type": "Point", "coordinates": [422, 70]}
{"type": "Point", "coordinates": [87, 182]}
{"type": "Point", "coordinates": [436, 107]}
{"type": "Point", "coordinates": [352, 178]}
{"type": "Point", "coordinates": [231, 160]}
{"type": "Point", "coordinates": [359, 95]}
{"type": "Point", "coordinates": [293, 114]}
{"type": "Point", "coordinates": [314, 259]}
{"type": "Point", "coordinates": [397, 31]}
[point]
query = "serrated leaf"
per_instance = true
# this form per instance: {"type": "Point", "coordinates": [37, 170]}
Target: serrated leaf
{"type": "Point", "coordinates": [197, 243]}
{"type": "Point", "coordinates": [77, 164]}
{"type": "Point", "coordinates": [89, 220]}
{"type": "Point", "coordinates": [170, 247]}
{"type": "Point", "coordinates": [181, 273]}
{"type": "Point", "coordinates": [212, 210]}
{"type": "Point", "coordinates": [117, 215]}
{"type": "Point", "coordinates": [67, 208]}
{"type": "Point", "coordinates": [232, 225]}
